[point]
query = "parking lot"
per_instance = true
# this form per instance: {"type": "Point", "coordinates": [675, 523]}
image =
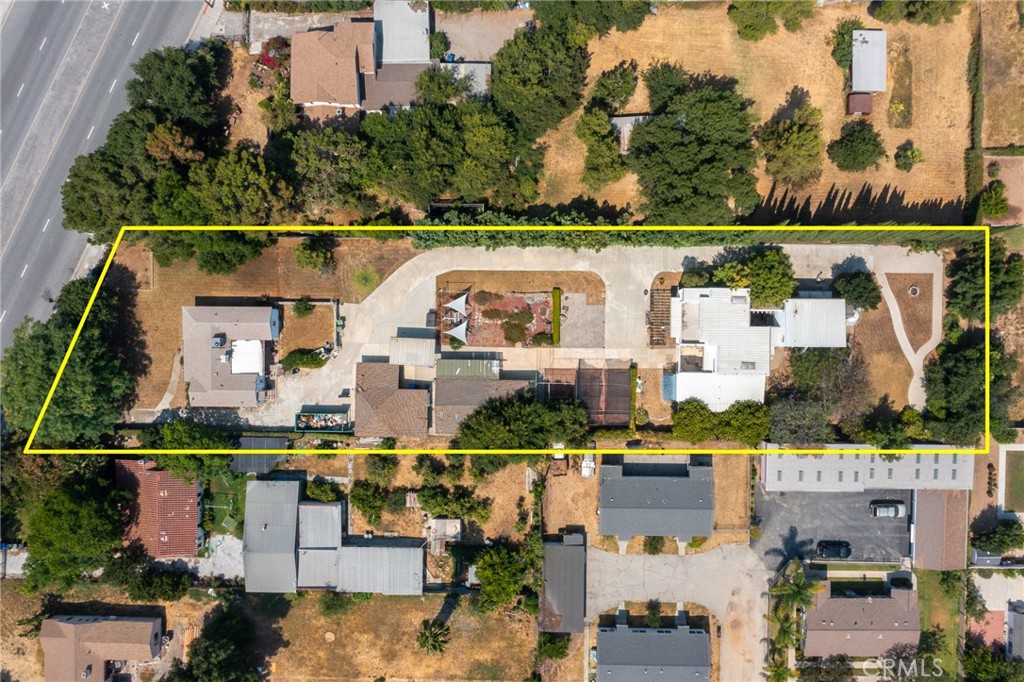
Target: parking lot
{"type": "Point", "coordinates": [793, 523]}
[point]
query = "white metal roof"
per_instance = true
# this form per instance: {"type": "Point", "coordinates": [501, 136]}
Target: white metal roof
{"type": "Point", "coordinates": [868, 73]}
{"type": "Point", "coordinates": [247, 357]}
{"type": "Point", "coordinates": [381, 567]}
{"type": "Point", "coordinates": [402, 32]}
{"type": "Point", "coordinates": [719, 390]}
{"type": "Point", "coordinates": [406, 350]}
{"type": "Point", "coordinates": [813, 323]}
{"type": "Point", "coordinates": [268, 544]}
{"type": "Point", "coordinates": [720, 319]}
{"type": "Point", "coordinates": [318, 568]}
{"type": "Point", "coordinates": [319, 525]}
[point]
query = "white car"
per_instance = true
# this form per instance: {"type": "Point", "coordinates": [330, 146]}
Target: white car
{"type": "Point", "coordinates": [888, 509]}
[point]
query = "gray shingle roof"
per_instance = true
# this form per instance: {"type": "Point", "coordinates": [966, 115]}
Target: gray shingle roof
{"type": "Point", "coordinates": [381, 565]}
{"type": "Point", "coordinates": [271, 519]}
{"type": "Point", "coordinates": [626, 654]}
{"type": "Point", "coordinates": [674, 506]}
{"type": "Point", "coordinates": [565, 584]}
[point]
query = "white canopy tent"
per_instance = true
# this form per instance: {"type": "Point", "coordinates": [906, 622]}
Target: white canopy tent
{"type": "Point", "coordinates": [459, 304]}
{"type": "Point", "coordinates": [460, 331]}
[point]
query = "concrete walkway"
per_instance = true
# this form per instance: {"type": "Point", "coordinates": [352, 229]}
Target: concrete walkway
{"type": "Point", "coordinates": [404, 298]}
{"type": "Point", "coordinates": [730, 581]}
{"type": "Point", "coordinates": [912, 263]}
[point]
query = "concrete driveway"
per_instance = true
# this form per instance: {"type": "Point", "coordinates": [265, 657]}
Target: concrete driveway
{"type": "Point", "coordinates": [730, 581]}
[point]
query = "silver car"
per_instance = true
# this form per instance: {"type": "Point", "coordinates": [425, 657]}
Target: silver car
{"type": "Point", "coordinates": [888, 509]}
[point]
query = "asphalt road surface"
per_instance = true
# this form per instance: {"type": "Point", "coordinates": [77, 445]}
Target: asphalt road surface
{"type": "Point", "coordinates": [63, 66]}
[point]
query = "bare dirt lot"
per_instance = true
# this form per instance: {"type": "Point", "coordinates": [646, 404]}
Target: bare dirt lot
{"type": "Point", "coordinates": [732, 492]}
{"type": "Point", "coordinates": [703, 39]}
{"type": "Point", "coordinates": [517, 281]}
{"type": "Point", "coordinates": [248, 124]}
{"type": "Point", "coordinates": [888, 368]}
{"type": "Point", "coordinates": [915, 311]}
{"type": "Point", "coordinates": [659, 410]}
{"type": "Point", "coordinates": [273, 275]}
{"type": "Point", "coordinates": [1011, 174]}
{"type": "Point", "coordinates": [571, 500]}
{"type": "Point", "coordinates": [377, 639]}
{"type": "Point", "coordinates": [1003, 63]}
{"type": "Point", "coordinates": [306, 332]}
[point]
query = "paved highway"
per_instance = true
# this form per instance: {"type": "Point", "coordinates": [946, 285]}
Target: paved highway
{"type": "Point", "coordinates": [63, 66]}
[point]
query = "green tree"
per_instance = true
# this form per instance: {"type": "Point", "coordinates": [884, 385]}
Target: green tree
{"type": "Point", "coordinates": [323, 490]}
{"type": "Point", "coordinates": [302, 307]}
{"type": "Point", "coordinates": [792, 147]}
{"type": "Point", "coordinates": [168, 144]}
{"type": "Point", "coordinates": [215, 252]}
{"type": "Point", "coordinates": [519, 422]}
{"type": "Point", "coordinates": [772, 280]}
{"type": "Point", "coordinates": [745, 421]}
{"type": "Point", "coordinates": [795, 591]}
{"type": "Point", "coordinates": [177, 83]}
{"type": "Point", "coordinates": [317, 253]}
{"type": "Point", "coordinates": [580, 20]}
{"type": "Point", "coordinates": [693, 421]}
{"type": "Point", "coordinates": [222, 653]}
{"type": "Point", "coordinates": [993, 199]}
{"type": "Point", "coordinates": [501, 574]}
{"type": "Point", "coordinates": [858, 148]}
{"type": "Point", "coordinates": [733, 274]}
{"type": "Point", "coordinates": [72, 531]}
{"type": "Point", "coordinates": [278, 111]}
{"type": "Point", "coordinates": [694, 161]}
{"type": "Point", "coordinates": [381, 469]}
{"type": "Point", "coordinates": [603, 164]}
{"type": "Point", "coordinates": [439, 86]}
{"type": "Point", "coordinates": [966, 292]}
{"type": "Point", "coordinates": [185, 436]}
{"type": "Point", "coordinates": [330, 167]}
{"type": "Point", "coordinates": [537, 77]}
{"type": "Point", "coordinates": [955, 411]}
{"type": "Point", "coordinates": [835, 668]}
{"type": "Point", "coordinates": [370, 499]}
{"type": "Point", "coordinates": [552, 646]}
{"type": "Point", "coordinates": [786, 630]}
{"type": "Point", "coordinates": [907, 156]}
{"type": "Point", "coordinates": [239, 189]}
{"type": "Point", "coordinates": [664, 82]}
{"type": "Point", "coordinates": [1000, 539]}
{"type": "Point", "coordinates": [615, 87]}
{"type": "Point", "coordinates": [916, 11]}
{"type": "Point", "coordinates": [652, 618]}
{"type": "Point", "coordinates": [860, 289]}
{"type": "Point", "coordinates": [756, 19]}
{"type": "Point", "coordinates": [841, 40]}
{"type": "Point", "coordinates": [439, 44]}
{"type": "Point", "coordinates": [433, 636]}
{"type": "Point", "coordinates": [800, 422]}
{"type": "Point", "coordinates": [654, 544]}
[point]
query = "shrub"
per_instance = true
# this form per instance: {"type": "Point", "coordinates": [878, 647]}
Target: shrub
{"type": "Point", "coordinates": [338, 603]}
{"type": "Point", "coordinates": [916, 11]}
{"type": "Point", "coordinates": [653, 616]}
{"type": "Point", "coordinates": [514, 332]}
{"type": "Point", "coordinates": [455, 344]}
{"type": "Point", "coordinates": [860, 289]}
{"type": "Point", "coordinates": [542, 339]}
{"type": "Point", "coordinates": [552, 646]}
{"type": "Point", "coordinates": [859, 147]}
{"type": "Point", "coordinates": [439, 44]}
{"type": "Point", "coordinates": [693, 421]}
{"type": "Point", "coordinates": [381, 469]}
{"type": "Point", "coordinates": [906, 156]}
{"type": "Point", "coordinates": [841, 40]}
{"type": "Point", "coordinates": [323, 490]}
{"type": "Point", "coordinates": [654, 544]}
{"type": "Point", "coordinates": [302, 358]}
{"type": "Point", "coordinates": [370, 499]}
{"type": "Point", "coordinates": [494, 314]}
{"type": "Point", "coordinates": [694, 278]}
{"type": "Point", "coordinates": [745, 421]}
{"type": "Point", "coordinates": [302, 307]}
{"type": "Point", "coordinates": [603, 163]}
{"type": "Point", "coordinates": [556, 316]}
{"type": "Point", "coordinates": [641, 417]}
{"type": "Point", "coordinates": [485, 297]}
{"type": "Point", "coordinates": [316, 253]}
{"type": "Point", "coordinates": [756, 19]}
{"type": "Point", "coordinates": [993, 199]}
{"type": "Point", "coordinates": [993, 170]}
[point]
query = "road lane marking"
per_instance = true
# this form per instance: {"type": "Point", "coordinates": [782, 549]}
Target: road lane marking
{"type": "Point", "coordinates": [90, 132]}
{"type": "Point", "coordinates": [24, 270]}
{"type": "Point", "coordinates": [3, 315]}
{"type": "Point", "coordinates": [46, 225]}
{"type": "Point", "coordinates": [41, 44]}
{"type": "Point", "coordinates": [112, 86]}
{"type": "Point", "coordinates": [20, 89]}
{"type": "Point", "coordinates": [134, 39]}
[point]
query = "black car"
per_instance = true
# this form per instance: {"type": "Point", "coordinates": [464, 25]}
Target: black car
{"type": "Point", "coordinates": [833, 549]}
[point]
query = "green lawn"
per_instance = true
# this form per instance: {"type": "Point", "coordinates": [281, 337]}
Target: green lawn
{"type": "Point", "coordinates": [1013, 236]}
{"type": "Point", "coordinates": [1015, 480]}
{"type": "Point", "coordinates": [939, 609]}
{"type": "Point", "coordinates": [227, 500]}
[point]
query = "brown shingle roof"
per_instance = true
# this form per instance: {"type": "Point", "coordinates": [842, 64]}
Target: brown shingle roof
{"type": "Point", "coordinates": [73, 645]}
{"type": "Point", "coordinates": [861, 626]}
{"type": "Point", "coordinates": [394, 84]}
{"type": "Point", "coordinates": [455, 399]}
{"type": "Point", "coordinates": [167, 521]}
{"type": "Point", "coordinates": [326, 64]}
{"type": "Point", "coordinates": [941, 518]}
{"type": "Point", "coordinates": [382, 408]}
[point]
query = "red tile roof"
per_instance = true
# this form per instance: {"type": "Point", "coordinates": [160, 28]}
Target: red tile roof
{"type": "Point", "coordinates": [166, 522]}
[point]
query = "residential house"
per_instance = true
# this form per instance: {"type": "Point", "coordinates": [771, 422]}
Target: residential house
{"type": "Point", "coordinates": [941, 521]}
{"type": "Point", "coordinates": [383, 408]}
{"type": "Point", "coordinates": [563, 598]}
{"type": "Point", "coordinates": [253, 463]}
{"type": "Point", "coordinates": [291, 545]}
{"type": "Point", "coordinates": [96, 647]}
{"type": "Point", "coordinates": [455, 399]}
{"type": "Point", "coordinates": [1015, 631]}
{"type": "Point", "coordinates": [724, 346]}
{"type": "Point", "coordinates": [478, 73]}
{"type": "Point", "coordinates": [860, 627]}
{"type": "Point", "coordinates": [166, 518]}
{"type": "Point", "coordinates": [416, 350]}
{"type": "Point", "coordinates": [664, 496]}
{"type": "Point", "coordinates": [606, 391]}
{"type": "Point", "coordinates": [628, 654]}
{"type": "Point", "coordinates": [226, 351]}
{"type": "Point", "coordinates": [867, 70]}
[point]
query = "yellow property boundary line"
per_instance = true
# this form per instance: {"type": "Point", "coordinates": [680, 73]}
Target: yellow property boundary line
{"type": "Point", "coordinates": [30, 449]}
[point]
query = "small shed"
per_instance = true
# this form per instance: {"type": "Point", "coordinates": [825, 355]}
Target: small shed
{"type": "Point", "coordinates": [858, 103]}
{"type": "Point", "coordinates": [868, 71]}
{"type": "Point", "coordinates": [623, 126]}
{"type": "Point", "coordinates": [413, 350]}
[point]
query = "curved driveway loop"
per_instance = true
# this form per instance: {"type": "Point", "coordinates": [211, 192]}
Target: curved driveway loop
{"type": "Point", "coordinates": [730, 581]}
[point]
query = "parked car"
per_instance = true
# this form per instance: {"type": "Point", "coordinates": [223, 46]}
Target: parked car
{"type": "Point", "coordinates": [888, 509]}
{"type": "Point", "coordinates": [833, 549]}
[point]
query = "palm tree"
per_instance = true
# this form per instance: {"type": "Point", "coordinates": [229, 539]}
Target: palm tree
{"type": "Point", "coordinates": [433, 636]}
{"type": "Point", "coordinates": [785, 632]}
{"type": "Point", "coordinates": [795, 591]}
{"type": "Point", "coordinates": [778, 672]}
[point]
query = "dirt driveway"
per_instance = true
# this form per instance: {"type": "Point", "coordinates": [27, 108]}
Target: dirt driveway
{"type": "Point", "coordinates": [475, 36]}
{"type": "Point", "coordinates": [728, 581]}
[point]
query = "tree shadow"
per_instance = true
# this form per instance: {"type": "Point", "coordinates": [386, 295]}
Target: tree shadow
{"type": "Point", "coordinates": [796, 98]}
{"type": "Point", "coordinates": [849, 265]}
{"type": "Point", "coordinates": [844, 207]}
{"type": "Point", "coordinates": [986, 520]}
{"type": "Point", "coordinates": [586, 206]}
{"type": "Point", "coordinates": [791, 547]}
{"type": "Point", "coordinates": [448, 606]}
{"type": "Point", "coordinates": [126, 336]}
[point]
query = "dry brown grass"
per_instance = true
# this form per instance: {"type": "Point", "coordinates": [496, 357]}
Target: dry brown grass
{"type": "Point", "coordinates": [571, 500]}
{"type": "Point", "coordinates": [703, 39]}
{"type": "Point", "coordinates": [636, 545]}
{"type": "Point", "coordinates": [1011, 174]}
{"type": "Point", "coordinates": [659, 410]}
{"type": "Point", "coordinates": [1003, 62]}
{"type": "Point", "coordinates": [569, 668]}
{"type": "Point", "coordinates": [732, 492]}
{"type": "Point", "coordinates": [274, 275]}
{"type": "Point", "coordinates": [306, 332]}
{"type": "Point", "coordinates": [248, 124]}
{"type": "Point", "coordinates": [915, 311]}
{"type": "Point", "coordinates": [888, 368]}
{"type": "Point", "coordinates": [506, 282]}
{"type": "Point", "coordinates": [1011, 331]}
{"type": "Point", "coordinates": [378, 639]}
